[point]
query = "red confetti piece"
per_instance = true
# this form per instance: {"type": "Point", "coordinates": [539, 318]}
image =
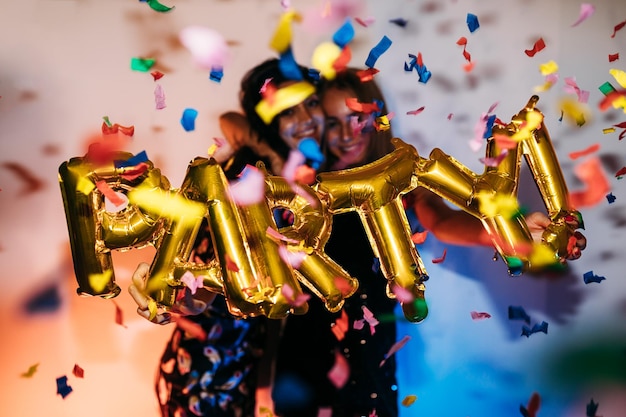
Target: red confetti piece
{"type": "Point", "coordinates": [119, 315]}
{"type": "Point", "coordinates": [353, 104]}
{"type": "Point", "coordinates": [476, 315]}
{"type": "Point", "coordinates": [342, 285]}
{"type": "Point", "coordinates": [443, 257]}
{"type": "Point", "coordinates": [230, 265]}
{"type": "Point", "coordinates": [596, 184]}
{"type": "Point", "coordinates": [533, 405]}
{"type": "Point", "coordinates": [135, 172]}
{"type": "Point", "coordinates": [109, 130]}
{"type": "Point", "coordinates": [618, 27]}
{"type": "Point", "coordinates": [613, 57]}
{"type": "Point", "coordinates": [591, 149]}
{"type": "Point", "coordinates": [538, 46]}
{"type": "Point", "coordinates": [621, 172]}
{"type": "Point", "coordinates": [109, 193]}
{"type": "Point", "coordinates": [416, 111]}
{"type": "Point", "coordinates": [341, 326]}
{"type": "Point", "coordinates": [191, 328]}
{"type": "Point", "coordinates": [157, 75]}
{"type": "Point", "coordinates": [367, 74]}
{"type": "Point", "coordinates": [419, 237]}
{"type": "Point", "coordinates": [463, 42]}
{"type": "Point", "coordinates": [31, 183]}
{"type": "Point", "coordinates": [342, 61]}
{"type": "Point", "coordinates": [78, 372]}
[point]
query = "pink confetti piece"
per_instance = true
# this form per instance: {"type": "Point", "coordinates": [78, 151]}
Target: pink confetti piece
{"type": "Point", "coordinates": [586, 10]}
{"type": "Point", "coordinates": [494, 162]}
{"type": "Point", "coordinates": [207, 47]}
{"type": "Point", "coordinates": [230, 264]}
{"type": "Point", "coordinates": [396, 347]}
{"type": "Point", "coordinates": [159, 97]}
{"type": "Point", "coordinates": [416, 111]}
{"type": "Point", "coordinates": [368, 316]}
{"type": "Point", "coordinates": [294, 160]}
{"type": "Point", "coordinates": [192, 282]}
{"type": "Point", "coordinates": [402, 294]}
{"type": "Point", "coordinates": [290, 257]}
{"type": "Point", "coordinates": [292, 299]}
{"type": "Point", "coordinates": [249, 188]}
{"type": "Point", "coordinates": [442, 258]}
{"type": "Point", "coordinates": [274, 234]}
{"type": "Point", "coordinates": [340, 372]}
{"type": "Point", "coordinates": [539, 45]}
{"type": "Point", "coordinates": [572, 87]}
{"type": "Point", "coordinates": [109, 194]}
{"type": "Point", "coordinates": [365, 22]}
{"type": "Point", "coordinates": [476, 315]}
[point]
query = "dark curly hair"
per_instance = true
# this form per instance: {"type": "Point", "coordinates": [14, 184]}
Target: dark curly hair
{"type": "Point", "coordinates": [250, 95]}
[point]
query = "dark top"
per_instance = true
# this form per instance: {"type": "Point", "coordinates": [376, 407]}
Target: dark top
{"type": "Point", "coordinates": [308, 346]}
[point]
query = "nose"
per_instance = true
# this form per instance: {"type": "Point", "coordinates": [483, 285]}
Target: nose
{"type": "Point", "coordinates": [347, 133]}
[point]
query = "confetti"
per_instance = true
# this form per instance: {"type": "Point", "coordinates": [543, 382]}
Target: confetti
{"type": "Point", "coordinates": [340, 372]}
{"type": "Point", "coordinates": [208, 48]}
{"type": "Point", "coordinates": [463, 42]}
{"type": "Point", "coordinates": [365, 22]}
{"type": "Point", "coordinates": [159, 97]}
{"type": "Point", "coordinates": [191, 328]}
{"type": "Point", "coordinates": [596, 184]}
{"type": "Point", "coordinates": [249, 188]}
{"type": "Point", "coordinates": [611, 198]}
{"type": "Point", "coordinates": [396, 347]}
{"type": "Point", "coordinates": [442, 258]}
{"type": "Point", "coordinates": [119, 315]}
{"type": "Point", "coordinates": [216, 74]}
{"type": "Point", "coordinates": [158, 7]}
{"type": "Point", "coordinates": [591, 149]}
{"type": "Point", "coordinates": [586, 10]}
{"type": "Point", "coordinates": [192, 282]}
{"type": "Point", "coordinates": [377, 51]}
{"type": "Point", "coordinates": [311, 151]}
{"type": "Point", "coordinates": [32, 184]}
{"type": "Point", "coordinates": [142, 64]}
{"type": "Point", "coordinates": [399, 22]}
{"type": "Point", "coordinates": [98, 282]}
{"type": "Point", "coordinates": [618, 27]}
{"type": "Point", "coordinates": [230, 264]}
{"type": "Point", "coordinates": [281, 40]}
{"type": "Point", "coordinates": [30, 372]}
{"type": "Point", "coordinates": [156, 75]}
{"type": "Point", "coordinates": [518, 313]}
{"type": "Point", "coordinates": [344, 34]}
{"type": "Point", "coordinates": [132, 161]}
{"type": "Point", "coordinates": [409, 400]}
{"type": "Point", "coordinates": [613, 57]}
{"type": "Point", "coordinates": [476, 315]}
{"type": "Point", "coordinates": [572, 87]}
{"type": "Point", "coordinates": [341, 325]}
{"type": "Point", "coordinates": [549, 67]}
{"type": "Point", "coordinates": [472, 22]}
{"type": "Point", "coordinates": [62, 388]}
{"type": "Point", "coordinates": [589, 277]}
{"type": "Point", "coordinates": [538, 46]}
{"type": "Point", "coordinates": [537, 328]}
{"type": "Point", "coordinates": [188, 119]}
{"type": "Point", "coordinates": [418, 64]}
{"type": "Point", "coordinates": [532, 408]}
{"type": "Point", "coordinates": [367, 74]}
{"type": "Point", "coordinates": [402, 294]}
{"type": "Point", "coordinates": [494, 162]}
{"type": "Point", "coordinates": [368, 316]}
{"type": "Point", "coordinates": [416, 111]}
{"type": "Point", "coordinates": [292, 257]}
{"type": "Point", "coordinates": [78, 372]}
{"type": "Point", "coordinates": [419, 237]}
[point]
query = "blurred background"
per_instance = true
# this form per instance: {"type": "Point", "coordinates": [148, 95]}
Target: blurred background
{"type": "Point", "coordinates": [65, 64]}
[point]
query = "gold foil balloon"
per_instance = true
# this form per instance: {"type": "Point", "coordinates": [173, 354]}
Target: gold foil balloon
{"type": "Point", "coordinates": [375, 191]}
{"type": "Point", "coordinates": [93, 230]}
{"type": "Point", "coordinates": [525, 136]}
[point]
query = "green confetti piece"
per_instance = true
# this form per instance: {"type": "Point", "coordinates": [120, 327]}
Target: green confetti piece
{"type": "Point", "coordinates": [606, 88]}
{"type": "Point", "coordinates": [156, 6]}
{"type": "Point", "coordinates": [107, 121]}
{"type": "Point", "coordinates": [142, 64]}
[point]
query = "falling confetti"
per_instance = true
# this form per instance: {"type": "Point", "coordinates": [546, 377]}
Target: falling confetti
{"type": "Point", "coordinates": [538, 46]}
{"type": "Point", "coordinates": [377, 51]}
{"type": "Point", "coordinates": [586, 10]}
{"type": "Point", "coordinates": [63, 389]}
{"type": "Point", "coordinates": [30, 372]}
{"type": "Point", "coordinates": [589, 277]}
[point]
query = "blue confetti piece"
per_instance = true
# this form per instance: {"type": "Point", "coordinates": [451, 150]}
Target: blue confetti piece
{"type": "Point", "coordinates": [590, 277]}
{"type": "Point", "coordinates": [489, 126]}
{"type": "Point", "coordinates": [376, 266]}
{"type": "Point", "coordinates": [538, 327]}
{"type": "Point", "coordinates": [399, 21]}
{"type": "Point", "coordinates": [132, 161]}
{"type": "Point", "coordinates": [188, 121]}
{"type": "Point", "coordinates": [314, 74]}
{"type": "Point", "coordinates": [344, 34]}
{"type": "Point", "coordinates": [472, 22]}
{"type": "Point", "coordinates": [216, 74]}
{"type": "Point", "coordinates": [311, 151]}
{"type": "Point", "coordinates": [611, 198]}
{"type": "Point", "coordinates": [377, 51]}
{"type": "Point", "coordinates": [424, 74]}
{"type": "Point", "coordinates": [48, 300]}
{"type": "Point", "coordinates": [518, 313]}
{"type": "Point", "coordinates": [288, 66]}
{"type": "Point", "coordinates": [62, 388]}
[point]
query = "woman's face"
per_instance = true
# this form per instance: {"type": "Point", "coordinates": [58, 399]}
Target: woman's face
{"type": "Point", "coordinates": [304, 120]}
{"type": "Point", "coordinates": [348, 147]}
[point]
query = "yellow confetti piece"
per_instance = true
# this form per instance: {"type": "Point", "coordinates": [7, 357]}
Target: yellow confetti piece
{"type": "Point", "coordinates": [408, 400]}
{"type": "Point", "coordinates": [619, 75]}
{"type": "Point", "coordinates": [545, 87]}
{"type": "Point", "coordinates": [493, 205]}
{"type": "Point", "coordinates": [533, 121]}
{"type": "Point", "coordinates": [85, 185]}
{"type": "Point", "coordinates": [211, 150]}
{"type": "Point", "coordinates": [282, 36]}
{"type": "Point", "coordinates": [608, 130]}
{"type": "Point", "coordinates": [282, 99]}
{"type": "Point", "coordinates": [99, 281]}
{"type": "Point", "coordinates": [152, 308]}
{"type": "Point", "coordinates": [170, 205]}
{"type": "Point", "coordinates": [549, 67]}
{"type": "Point", "coordinates": [575, 110]}
{"type": "Point", "coordinates": [542, 256]}
{"type": "Point", "coordinates": [30, 372]}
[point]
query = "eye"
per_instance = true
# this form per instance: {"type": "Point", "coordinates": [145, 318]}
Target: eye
{"type": "Point", "coordinates": [286, 113]}
{"type": "Point", "coordinates": [312, 102]}
{"type": "Point", "coordinates": [332, 123]}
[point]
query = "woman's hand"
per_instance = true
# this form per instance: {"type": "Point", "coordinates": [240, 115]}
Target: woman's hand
{"type": "Point", "coordinates": [147, 307]}
{"type": "Point", "coordinates": [538, 223]}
